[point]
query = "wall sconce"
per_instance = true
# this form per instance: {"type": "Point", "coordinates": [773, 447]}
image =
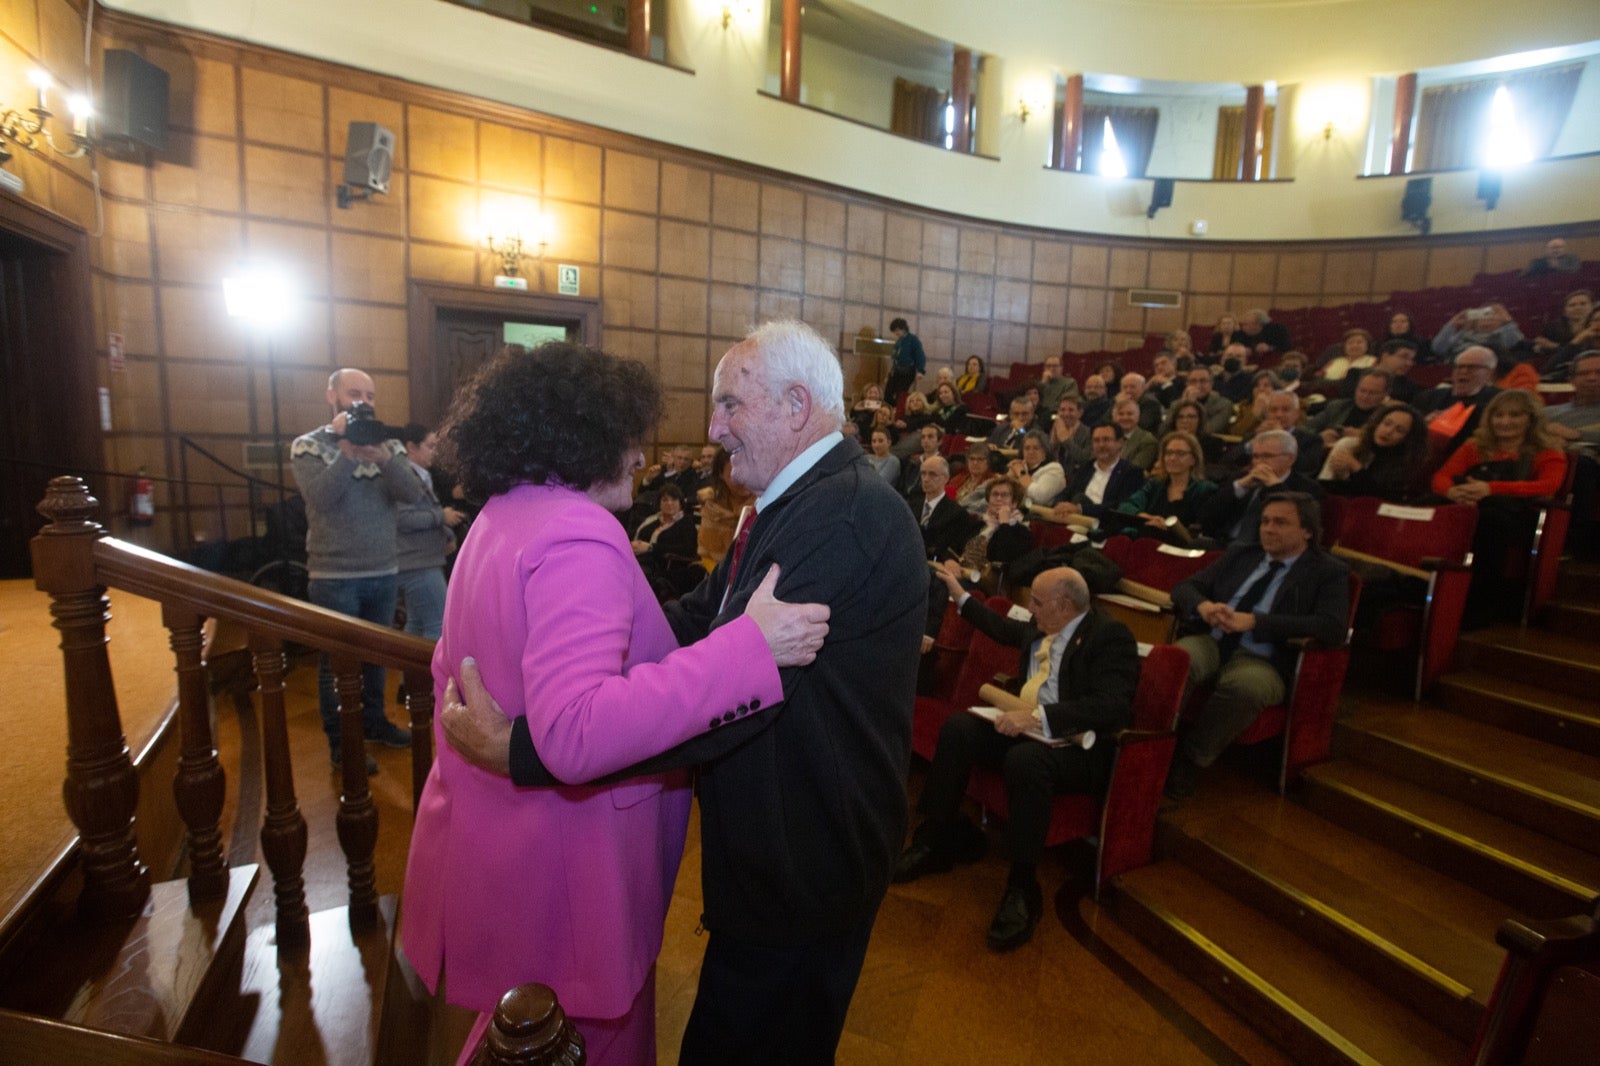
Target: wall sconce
{"type": "Point", "coordinates": [1032, 96]}
{"type": "Point", "coordinates": [35, 133]}
{"type": "Point", "coordinates": [504, 239]}
{"type": "Point", "coordinates": [1327, 131]}
{"type": "Point", "coordinates": [1023, 110]}
{"type": "Point", "coordinates": [740, 9]}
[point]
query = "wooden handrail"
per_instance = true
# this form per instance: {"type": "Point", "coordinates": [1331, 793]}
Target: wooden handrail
{"type": "Point", "coordinates": [30, 1038]}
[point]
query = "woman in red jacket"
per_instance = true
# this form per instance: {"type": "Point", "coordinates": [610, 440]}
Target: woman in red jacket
{"type": "Point", "coordinates": [1501, 468]}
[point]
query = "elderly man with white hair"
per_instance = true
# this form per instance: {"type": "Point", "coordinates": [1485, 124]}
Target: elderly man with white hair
{"type": "Point", "coordinates": [1136, 388]}
{"type": "Point", "coordinates": [1233, 514]}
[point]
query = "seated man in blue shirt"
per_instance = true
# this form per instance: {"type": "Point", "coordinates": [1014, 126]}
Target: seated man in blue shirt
{"type": "Point", "coordinates": [1240, 613]}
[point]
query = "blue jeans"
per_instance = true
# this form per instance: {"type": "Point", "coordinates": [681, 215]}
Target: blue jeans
{"type": "Point", "coordinates": [424, 593]}
{"type": "Point", "coordinates": [370, 599]}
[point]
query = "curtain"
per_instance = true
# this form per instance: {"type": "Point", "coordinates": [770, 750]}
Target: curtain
{"type": "Point", "coordinates": [1455, 118]}
{"type": "Point", "coordinates": [1135, 128]}
{"type": "Point", "coordinates": [1230, 140]}
{"type": "Point", "coordinates": [918, 111]}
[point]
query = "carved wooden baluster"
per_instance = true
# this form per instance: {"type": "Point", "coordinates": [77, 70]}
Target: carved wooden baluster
{"type": "Point", "coordinates": [419, 705]}
{"type": "Point", "coordinates": [530, 1029]}
{"type": "Point", "coordinates": [101, 790]}
{"type": "Point", "coordinates": [283, 831]}
{"type": "Point", "coordinates": [199, 787]}
{"type": "Point", "coordinates": [358, 818]}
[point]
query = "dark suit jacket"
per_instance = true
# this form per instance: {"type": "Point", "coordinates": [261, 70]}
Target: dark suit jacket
{"type": "Point", "coordinates": [1313, 601]}
{"type": "Point", "coordinates": [1443, 398]}
{"type": "Point", "coordinates": [1004, 436]}
{"type": "Point", "coordinates": [948, 528]}
{"type": "Point", "coordinates": [1126, 479]}
{"type": "Point", "coordinates": [1099, 672]}
{"type": "Point", "coordinates": [1224, 509]}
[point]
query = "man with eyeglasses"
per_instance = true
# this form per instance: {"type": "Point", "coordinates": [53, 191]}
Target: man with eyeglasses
{"type": "Point", "coordinates": [1454, 409]}
{"type": "Point", "coordinates": [1233, 514]}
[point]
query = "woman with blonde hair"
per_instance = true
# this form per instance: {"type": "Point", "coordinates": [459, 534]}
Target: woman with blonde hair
{"type": "Point", "coordinates": [1175, 489]}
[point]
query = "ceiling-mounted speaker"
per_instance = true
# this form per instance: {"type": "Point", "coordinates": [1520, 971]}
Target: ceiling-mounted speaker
{"type": "Point", "coordinates": [369, 156]}
{"type": "Point", "coordinates": [133, 102]}
{"type": "Point", "coordinates": [1415, 204]}
{"type": "Point", "coordinates": [1160, 196]}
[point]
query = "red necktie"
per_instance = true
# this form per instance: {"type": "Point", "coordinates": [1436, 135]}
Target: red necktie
{"type": "Point", "coordinates": [746, 520]}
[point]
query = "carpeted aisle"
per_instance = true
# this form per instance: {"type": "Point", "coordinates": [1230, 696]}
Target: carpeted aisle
{"type": "Point", "coordinates": [33, 728]}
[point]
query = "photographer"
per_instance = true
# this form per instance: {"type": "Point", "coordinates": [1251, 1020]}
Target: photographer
{"type": "Point", "coordinates": [354, 477]}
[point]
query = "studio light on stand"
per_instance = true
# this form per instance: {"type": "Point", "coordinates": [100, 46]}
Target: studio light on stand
{"type": "Point", "coordinates": [264, 298]}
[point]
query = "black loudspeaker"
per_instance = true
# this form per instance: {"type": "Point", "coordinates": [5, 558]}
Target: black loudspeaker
{"type": "Point", "coordinates": [133, 105]}
{"type": "Point", "coordinates": [1416, 202]}
{"type": "Point", "coordinates": [369, 156]}
{"type": "Point", "coordinates": [1160, 196]}
{"type": "Point", "coordinates": [1489, 188]}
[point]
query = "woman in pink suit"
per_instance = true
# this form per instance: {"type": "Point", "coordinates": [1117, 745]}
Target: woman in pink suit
{"type": "Point", "coordinates": [569, 886]}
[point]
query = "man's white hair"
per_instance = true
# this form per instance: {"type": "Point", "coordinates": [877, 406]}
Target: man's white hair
{"type": "Point", "coordinates": [792, 351]}
{"type": "Point", "coordinates": [1281, 436]}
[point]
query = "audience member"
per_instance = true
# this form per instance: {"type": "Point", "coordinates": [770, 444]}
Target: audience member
{"type": "Point", "coordinates": [1187, 416]}
{"type": "Point", "coordinates": [1284, 412]}
{"type": "Point", "coordinates": [1178, 342]}
{"type": "Point", "coordinates": [1175, 489]}
{"type": "Point", "coordinates": [1555, 260]}
{"type": "Point", "coordinates": [1262, 335]}
{"type": "Point", "coordinates": [1233, 377]}
{"type": "Point", "coordinates": [675, 468]}
{"type": "Point", "coordinates": [1003, 533]}
{"type": "Point", "coordinates": [879, 458]}
{"type": "Point", "coordinates": [1069, 437]}
{"type": "Point", "coordinates": [1165, 383]}
{"type": "Point", "coordinates": [1216, 406]}
{"type": "Point", "coordinates": [1575, 312]}
{"type": "Point", "coordinates": [909, 424]}
{"type": "Point", "coordinates": [1345, 417]}
{"type": "Point", "coordinates": [1488, 327]}
{"type": "Point", "coordinates": [1096, 401]}
{"type": "Point", "coordinates": [352, 493]}
{"type": "Point", "coordinates": [1110, 372]}
{"type": "Point", "coordinates": [1008, 435]}
{"type": "Point", "coordinates": [1402, 328]}
{"type": "Point", "coordinates": [1396, 358]}
{"type": "Point", "coordinates": [1454, 408]}
{"type": "Point", "coordinates": [1054, 386]}
{"type": "Point", "coordinates": [974, 378]}
{"type": "Point", "coordinates": [1578, 424]}
{"type": "Point", "coordinates": [907, 364]}
{"type": "Point", "coordinates": [865, 409]}
{"type": "Point", "coordinates": [1082, 667]}
{"type": "Point", "coordinates": [721, 505]}
{"type": "Point", "coordinates": [1510, 459]}
{"type": "Point", "coordinates": [1139, 446]}
{"type": "Point", "coordinates": [424, 539]}
{"type": "Point", "coordinates": [1386, 459]}
{"type": "Point", "coordinates": [1354, 352]}
{"type": "Point", "coordinates": [1240, 614]}
{"type": "Point", "coordinates": [929, 438]}
{"type": "Point", "coordinates": [969, 485]}
{"type": "Point", "coordinates": [1137, 389]}
{"type": "Point", "coordinates": [1232, 516]}
{"type": "Point", "coordinates": [666, 545]}
{"type": "Point", "coordinates": [1291, 370]}
{"type": "Point", "coordinates": [948, 411]}
{"type": "Point", "coordinates": [703, 475]}
{"type": "Point", "coordinates": [1040, 476]}
{"type": "Point", "coordinates": [945, 524]}
{"type": "Point", "coordinates": [1102, 485]}
{"type": "Point", "coordinates": [1248, 413]}
{"type": "Point", "coordinates": [945, 376]}
{"type": "Point", "coordinates": [1558, 367]}
{"type": "Point", "coordinates": [1226, 333]}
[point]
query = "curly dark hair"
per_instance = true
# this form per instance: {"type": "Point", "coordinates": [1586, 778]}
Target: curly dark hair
{"type": "Point", "coordinates": [559, 412]}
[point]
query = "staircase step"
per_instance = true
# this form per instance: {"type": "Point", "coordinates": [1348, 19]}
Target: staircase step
{"type": "Point", "coordinates": [1539, 877]}
{"type": "Point", "coordinates": [1562, 661]}
{"type": "Point", "coordinates": [160, 984]}
{"type": "Point", "coordinates": [1572, 616]}
{"type": "Point", "coordinates": [1422, 937]}
{"type": "Point", "coordinates": [1580, 581]}
{"type": "Point", "coordinates": [1547, 789]}
{"type": "Point", "coordinates": [1524, 707]}
{"type": "Point", "coordinates": [1318, 1010]}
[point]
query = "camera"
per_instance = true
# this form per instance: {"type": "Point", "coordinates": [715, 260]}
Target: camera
{"type": "Point", "coordinates": [362, 428]}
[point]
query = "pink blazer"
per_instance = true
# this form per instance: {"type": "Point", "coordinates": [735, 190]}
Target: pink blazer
{"type": "Point", "coordinates": [568, 886]}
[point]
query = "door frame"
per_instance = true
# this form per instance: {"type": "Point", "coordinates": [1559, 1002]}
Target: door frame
{"type": "Point", "coordinates": [426, 299]}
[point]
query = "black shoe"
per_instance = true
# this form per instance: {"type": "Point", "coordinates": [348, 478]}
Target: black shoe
{"type": "Point", "coordinates": [967, 842]}
{"type": "Point", "coordinates": [1020, 910]}
{"type": "Point", "coordinates": [1181, 779]}
{"type": "Point", "coordinates": [919, 860]}
{"type": "Point", "coordinates": [336, 757]}
{"type": "Point", "coordinates": [389, 735]}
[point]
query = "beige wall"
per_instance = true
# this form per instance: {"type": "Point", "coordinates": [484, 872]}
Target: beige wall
{"type": "Point", "coordinates": [1316, 45]}
{"type": "Point", "coordinates": [685, 250]}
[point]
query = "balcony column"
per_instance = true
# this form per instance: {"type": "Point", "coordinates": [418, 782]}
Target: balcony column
{"type": "Point", "coordinates": [961, 101]}
{"type": "Point", "coordinates": [789, 53]}
{"type": "Point", "coordinates": [1069, 135]}
{"type": "Point", "coordinates": [1255, 98]}
{"type": "Point", "coordinates": [1405, 106]}
{"type": "Point", "coordinates": [639, 28]}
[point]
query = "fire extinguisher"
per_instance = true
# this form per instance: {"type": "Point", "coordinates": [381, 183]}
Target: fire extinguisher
{"type": "Point", "coordinates": [142, 500]}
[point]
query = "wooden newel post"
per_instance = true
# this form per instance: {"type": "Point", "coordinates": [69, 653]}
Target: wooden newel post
{"type": "Point", "coordinates": [101, 790]}
{"type": "Point", "coordinates": [530, 1029]}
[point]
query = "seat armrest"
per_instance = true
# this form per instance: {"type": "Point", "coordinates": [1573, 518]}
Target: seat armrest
{"type": "Point", "coordinates": [1148, 593]}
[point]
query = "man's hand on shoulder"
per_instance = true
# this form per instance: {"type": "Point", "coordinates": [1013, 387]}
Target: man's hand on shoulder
{"type": "Point", "coordinates": [478, 729]}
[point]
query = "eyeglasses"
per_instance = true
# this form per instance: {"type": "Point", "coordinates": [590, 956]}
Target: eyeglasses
{"type": "Point", "coordinates": [1178, 453]}
{"type": "Point", "coordinates": [1267, 455]}
{"type": "Point", "coordinates": [1473, 366]}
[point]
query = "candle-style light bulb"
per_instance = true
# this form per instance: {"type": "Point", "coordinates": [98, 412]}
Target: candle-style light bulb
{"type": "Point", "coordinates": [41, 81]}
{"type": "Point", "coordinates": [82, 110]}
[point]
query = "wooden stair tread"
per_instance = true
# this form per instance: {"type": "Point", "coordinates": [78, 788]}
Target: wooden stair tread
{"type": "Point", "coordinates": [1379, 891]}
{"type": "Point", "coordinates": [1377, 1027]}
{"type": "Point", "coordinates": [1570, 777]}
{"type": "Point", "coordinates": [1535, 850]}
{"type": "Point", "coordinates": [1534, 696]}
{"type": "Point", "coordinates": [1556, 646]}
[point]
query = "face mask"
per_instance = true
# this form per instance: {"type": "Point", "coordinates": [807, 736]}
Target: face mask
{"type": "Point", "coordinates": [1288, 374]}
{"type": "Point", "coordinates": [1230, 366]}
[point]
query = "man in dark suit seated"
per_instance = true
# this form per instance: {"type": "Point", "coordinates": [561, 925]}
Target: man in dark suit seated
{"type": "Point", "coordinates": [945, 523]}
{"type": "Point", "coordinates": [1345, 416]}
{"type": "Point", "coordinates": [1233, 513]}
{"type": "Point", "coordinates": [1239, 615]}
{"type": "Point", "coordinates": [1102, 485]}
{"type": "Point", "coordinates": [1081, 667]}
{"type": "Point", "coordinates": [1009, 434]}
